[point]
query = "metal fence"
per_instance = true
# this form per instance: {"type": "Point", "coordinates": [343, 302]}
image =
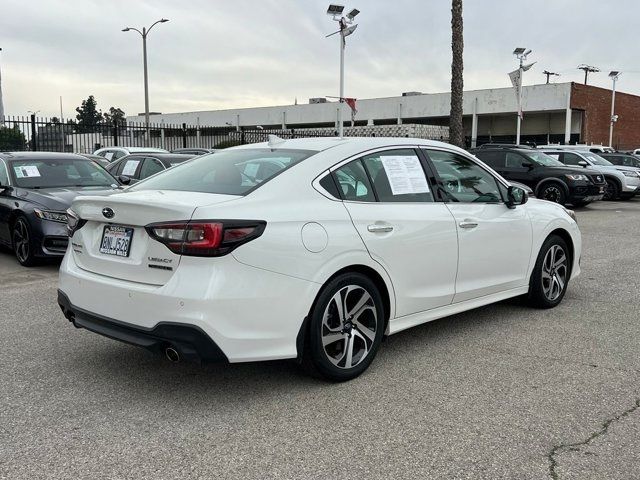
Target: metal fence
{"type": "Point", "coordinates": [42, 134]}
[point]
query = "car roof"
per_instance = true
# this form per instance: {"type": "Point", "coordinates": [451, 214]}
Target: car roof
{"type": "Point", "coordinates": [134, 149]}
{"type": "Point", "coordinates": [40, 156]}
{"type": "Point", "coordinates": [349, 143]}
{"type": "Point", "coordinates": [162, 156]}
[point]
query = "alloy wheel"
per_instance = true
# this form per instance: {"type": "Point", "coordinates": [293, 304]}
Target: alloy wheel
{"type": "Point", "coordinates": [610, 192]}
{"type": "Point", "coordinates": [554, 272]}
{"type": "Point", "coordinates": [21, 241]}
{"type": "Point", "coordinates": [349, 325]}
{"type": "Point", "coordinates": [552, 193]}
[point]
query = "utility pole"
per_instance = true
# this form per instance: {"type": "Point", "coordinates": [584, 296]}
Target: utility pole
{"type": "Point", "coordinates": [614, 118]}
{"type": "Point", "coordinates": [549, 74]}
{"type": "Point", "coordinates": [587, 70]}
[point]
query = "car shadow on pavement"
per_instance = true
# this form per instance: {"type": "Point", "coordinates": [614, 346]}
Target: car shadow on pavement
{"type": "Point", "coordinates": [138, 373]}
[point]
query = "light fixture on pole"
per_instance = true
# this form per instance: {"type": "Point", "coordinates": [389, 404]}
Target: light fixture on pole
{"type": "Point", "coordinates": [613, 75]}
{"type": "Point", "coordinates": [143, 34]}
{"type": "Point", "coordinates": [346, 28]}
{"type": "Point", "coordinates": [516, 79]}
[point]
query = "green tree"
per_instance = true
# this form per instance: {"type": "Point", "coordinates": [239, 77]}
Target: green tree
{"type": "Point", "coordinates": [115, 115]}
{"type": "Point", "coordinates": [456, 133]}
{"type": "Point", "coordinates": [88, 115]}
{"type": "Point", "coordinates": [11, 138]}
{"type": "Point", "coordinates": [55, 120]}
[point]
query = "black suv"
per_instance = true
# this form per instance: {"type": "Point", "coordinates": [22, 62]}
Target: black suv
{"type": "Point", "coordinates": [549, 178]}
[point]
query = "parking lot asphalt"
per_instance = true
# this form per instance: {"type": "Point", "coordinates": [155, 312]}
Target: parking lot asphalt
{"type": "Point", "coordinates": [503, 391]}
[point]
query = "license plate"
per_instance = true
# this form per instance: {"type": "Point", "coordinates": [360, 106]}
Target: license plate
{"type": "Point", "coordinates": [116, 240]}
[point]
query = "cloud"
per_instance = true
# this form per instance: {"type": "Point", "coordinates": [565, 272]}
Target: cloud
{"type": "Point", "coordinates": [221, 54]}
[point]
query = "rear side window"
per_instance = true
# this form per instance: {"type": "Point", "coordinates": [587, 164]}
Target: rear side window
{"type": "Point", "coordinates": [514, 160]}
{"type": "Point", "coordinates": [493, 159]}
{"type": "Point", "coordinates": [398, 176]}
{"type": "Point", "coordinates": [353, 182]}
{"type": "Point", "coordinates": [231, 172]}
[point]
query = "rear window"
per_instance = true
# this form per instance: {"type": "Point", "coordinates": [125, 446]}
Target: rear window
{"type": "Point", "coordinates": [231, 172]}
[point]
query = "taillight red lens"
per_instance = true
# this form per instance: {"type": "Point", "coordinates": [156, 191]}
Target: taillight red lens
{"type": "Point", "coordinates": [205, 238]}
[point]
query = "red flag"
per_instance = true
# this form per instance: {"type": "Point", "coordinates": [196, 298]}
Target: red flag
{"type": "Point", "coordinates": [352, 105]}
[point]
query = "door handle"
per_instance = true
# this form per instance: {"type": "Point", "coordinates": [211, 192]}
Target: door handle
{"type": "Point", "coordinates": [468, 224]}
{"type": "Point", "coordinates": [380, 228]}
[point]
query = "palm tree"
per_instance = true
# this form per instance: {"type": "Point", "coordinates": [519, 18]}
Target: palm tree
{"type": "Point", "coordinates": [456, 134]}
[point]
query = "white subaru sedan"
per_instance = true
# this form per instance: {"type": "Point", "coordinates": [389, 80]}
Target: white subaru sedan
{"type": "Point", "coordinates": [311, 249]}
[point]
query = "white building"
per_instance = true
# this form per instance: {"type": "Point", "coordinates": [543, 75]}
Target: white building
{"type": "Point", "coordinates": [489, 115]}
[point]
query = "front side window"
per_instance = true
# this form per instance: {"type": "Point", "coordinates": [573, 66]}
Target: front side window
{"type": "Point", "coordinates": [571, 159]}
{"type": "Point", "coordinates": [493, 159]}
{"type": "Point", "coordinates": [129, 166]}
{"type": "Point", "coordinates": [150, 166]}
{"type": "Point", "coordinates": [543, 159]}
{"type": "Point", "coordinates": [398, 176]}
{"type": "Point", "coordinates": [597, 159]}
{"type": "Point", "coordinates": [514, 160]}
{"type": "Point", "coordinates": [231, 172]}
{"type": "Point", "coordinates": [50, 173]}
{"type": "Point", "coordinates": [463, 180]}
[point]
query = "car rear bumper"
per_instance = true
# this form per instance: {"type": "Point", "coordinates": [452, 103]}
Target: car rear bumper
{"type": "Point", "coordinates": [188, 340]}
{"type": "Point", "coordinates": [246, 313]}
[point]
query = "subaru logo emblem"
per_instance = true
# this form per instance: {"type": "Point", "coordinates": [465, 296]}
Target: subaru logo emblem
{"type": "Point", "coordinates": [107, 212]}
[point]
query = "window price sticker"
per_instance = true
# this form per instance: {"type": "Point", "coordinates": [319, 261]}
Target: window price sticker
{"type": "Point", "coordinates": [405, 174]}
{"type": "Point", "coordinates": [27, 171]}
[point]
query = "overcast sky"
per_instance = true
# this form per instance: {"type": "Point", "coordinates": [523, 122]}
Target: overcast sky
{"type": "Point", "coordinates": [217, 54]}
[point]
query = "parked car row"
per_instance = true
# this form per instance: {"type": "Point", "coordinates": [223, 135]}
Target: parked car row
{"type": "Point", "coordinates": [566, 174]}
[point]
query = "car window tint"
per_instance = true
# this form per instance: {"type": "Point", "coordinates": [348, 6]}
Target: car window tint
{"type": "Point", "coordinates": [571, 159]}
{"type": "Point", "coordinates": [353, 182]}
{"type": "Point", "coordinates": [50, 173]}
{"type": "Point", "coordinates": [555, 155]}
{"type": "Point", "coordinates": [464, 180]}
{"type": "Point", "coordinates": [117, 154]}
{"type": "Point", "coordinates": [150, 166]}
{"type": "Point", "coordinates": [398, 176]}
{"type": "Point", "coordinates": [4, 175]}
{"type": "Point", "coordinates": [108, 155]}
{"type": "Point", "coordinates": [514, 160]}
{"type": "Point", "coordinates": [232, 172]}
{"type": "Point", "coordinates": [493, 159]}
{"type": "Point", "coordinates": [330, 186]}
{"type": "Point", "coordinates": [130, 166]}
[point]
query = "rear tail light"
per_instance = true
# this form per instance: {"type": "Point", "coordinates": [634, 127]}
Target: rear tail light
{"type": "Point", "coordinates": [208, 238]}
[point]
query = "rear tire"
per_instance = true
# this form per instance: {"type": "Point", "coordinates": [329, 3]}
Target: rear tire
{"type": "Point", "coordinates": [613, 191]}
{"type": "Point", "coordinates": [345, 329]}
{"type": "Point", "coordinates": [550, 277]}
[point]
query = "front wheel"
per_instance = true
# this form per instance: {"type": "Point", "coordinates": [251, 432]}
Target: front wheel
{"type": "Point", "coordinates": [346, 327]}
{"type": "Point", "coordinates": [550, 275]}
{"type": "Point", "coordinates": [553, 192]}
{"type": "Point", "coordinates": [22, 243]}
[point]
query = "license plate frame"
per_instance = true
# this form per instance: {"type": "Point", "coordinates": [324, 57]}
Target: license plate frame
{"type": "Point", "coordinates": [116, 232]}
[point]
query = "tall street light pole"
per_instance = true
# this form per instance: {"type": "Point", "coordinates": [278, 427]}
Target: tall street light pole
{"type": "Point", "coordinates": [143, 34]}
{"type": "Point", "coordinates": [336, 12]}
{"type": "Point", "coordinates": [521, 55]}
{"type": "Point", "coordinates": [614, 118]}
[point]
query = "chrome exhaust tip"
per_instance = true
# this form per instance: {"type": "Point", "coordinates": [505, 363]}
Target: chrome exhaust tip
{"type": "Point", "coordinates": [172, 354]}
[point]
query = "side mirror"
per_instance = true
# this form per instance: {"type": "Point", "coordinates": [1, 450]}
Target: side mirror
{"type": "Point", "coordinates": [516, 196]}
{"type": "Point", "coordinates": [124, 180]}
{"type": "Point", "coordinates": [527, 165]}
{"type": "Point", "coordinates": [583, 163]}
